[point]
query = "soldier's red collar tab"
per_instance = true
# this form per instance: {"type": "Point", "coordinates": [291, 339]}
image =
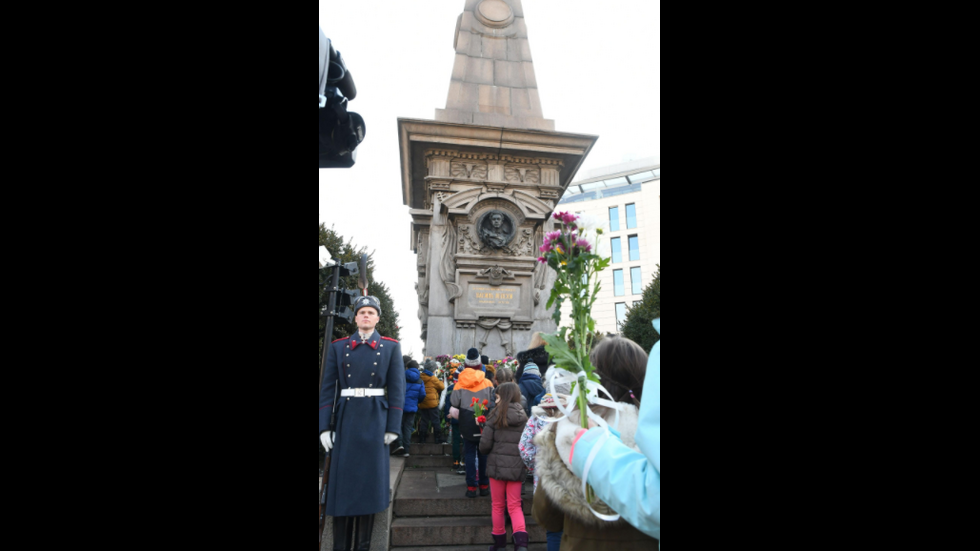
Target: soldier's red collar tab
{"type": "Point", "coordinates": [373, 343]}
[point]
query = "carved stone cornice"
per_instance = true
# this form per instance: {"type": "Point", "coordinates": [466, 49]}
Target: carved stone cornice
{"type": "Point", "coordinates": [515, 325]}
{"type": "Point", "coordinates": [428, 149]}
{"type": "Point", "coordinates": [549, 192]}
{"type": "Point", "coordinates": [536, 161]}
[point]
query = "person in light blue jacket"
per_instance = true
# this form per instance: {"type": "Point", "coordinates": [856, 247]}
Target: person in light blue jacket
{"type": "Point", "coordinates": [627, 480]}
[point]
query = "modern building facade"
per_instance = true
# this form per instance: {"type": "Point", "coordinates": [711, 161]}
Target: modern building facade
{"type": "Point", "coordinates": [627, 197]}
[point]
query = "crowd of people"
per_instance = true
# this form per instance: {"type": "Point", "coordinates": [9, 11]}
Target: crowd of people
{"type": "Point", "coordinates": [506, 430]}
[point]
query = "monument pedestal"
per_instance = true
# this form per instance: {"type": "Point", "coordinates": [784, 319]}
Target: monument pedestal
{"type": "Point", "coordinates": [482, 181]}
{"type": "Point", "coordinates": [481, 202]}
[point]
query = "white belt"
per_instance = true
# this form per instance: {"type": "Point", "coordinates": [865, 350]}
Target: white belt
{"type": "Point", "coordinates": [362, 392]}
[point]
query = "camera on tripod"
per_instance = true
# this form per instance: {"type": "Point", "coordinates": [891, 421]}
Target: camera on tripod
{"type": "Point", "coordinates": [341, 131]}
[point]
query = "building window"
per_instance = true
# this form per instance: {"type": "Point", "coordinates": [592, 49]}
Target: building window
{"type": "Point", "coordinates": [631, 217]}
{"type": "Point", "coordinates": [614, 219]}
{"type": "Point", "coordinates": [636, 277]}
{"type": "Point", "coordinates": [620, 284]}
{"type": "Point", "coordinates": [620, 315]}
{"type": "Point", "coordinates": [617, 250]}
{"type": "Point", "coordinates": [634, 248]}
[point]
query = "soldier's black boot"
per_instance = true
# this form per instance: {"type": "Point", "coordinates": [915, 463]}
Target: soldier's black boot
{"type": "Point", "coordinates": [365, 525]}
{"type": "Point", "coordinates": [342, 533]}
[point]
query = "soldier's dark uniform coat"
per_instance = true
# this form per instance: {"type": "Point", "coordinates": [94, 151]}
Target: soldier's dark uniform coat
{"type": "Point", "coordinates": [359, 461]}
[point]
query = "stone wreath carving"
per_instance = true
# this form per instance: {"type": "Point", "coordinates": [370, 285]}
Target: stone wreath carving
{"type": "Point", "coordinates": [467, 244]}
{"type": "Point", "coordinates": [503, 327]}
{"type": "Point", "coordinates": [524, 246]}
{"type": "Point", "coordinates": [496, 229]}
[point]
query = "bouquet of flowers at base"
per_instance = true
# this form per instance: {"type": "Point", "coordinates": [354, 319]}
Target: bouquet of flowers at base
{"type": "Point", "coordinates": [444, 360]}
{"type": "Point", "coordinates": [454, 366]}
{"type": "Point", "coordinates": [509, 362]}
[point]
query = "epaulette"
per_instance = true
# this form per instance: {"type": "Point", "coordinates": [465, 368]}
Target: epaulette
{"type": "Point", "coordinates": [387, 339]}
{"type": "Point", "coordinates": [338, 340]}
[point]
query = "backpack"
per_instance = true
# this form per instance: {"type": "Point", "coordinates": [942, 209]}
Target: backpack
{"type": "Point", "coordinates": [468, 427]}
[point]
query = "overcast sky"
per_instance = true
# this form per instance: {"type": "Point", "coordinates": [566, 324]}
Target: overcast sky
{"type": "Point", "coordinates": [598, 72]}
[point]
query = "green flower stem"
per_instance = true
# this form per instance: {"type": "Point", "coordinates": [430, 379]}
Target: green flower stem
{"type": "Point", "coordinates": [571, 274]}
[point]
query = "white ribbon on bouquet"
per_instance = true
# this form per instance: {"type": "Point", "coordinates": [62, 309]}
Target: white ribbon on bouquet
{"type": "Point", "coordinates": [558, 375]}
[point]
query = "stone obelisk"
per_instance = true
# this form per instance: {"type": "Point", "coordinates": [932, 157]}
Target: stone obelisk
{"type": "Point", "coordinates": [482, 181]}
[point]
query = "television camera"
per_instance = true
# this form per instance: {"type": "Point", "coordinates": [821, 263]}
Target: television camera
{"type": "Point", "coordinates": [341, 131]}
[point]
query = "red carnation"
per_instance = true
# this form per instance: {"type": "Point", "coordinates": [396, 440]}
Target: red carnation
{"type": "Point", "coordinates": [481, 419]}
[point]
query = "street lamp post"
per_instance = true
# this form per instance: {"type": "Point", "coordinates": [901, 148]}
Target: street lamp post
{"type": "Point", "coordinates": [333, 285]}
{"type": "Point", "coordinates": [339, 299]}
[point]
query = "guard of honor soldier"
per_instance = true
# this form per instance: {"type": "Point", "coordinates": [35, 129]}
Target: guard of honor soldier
{"type": "Point", "coordinates": [365, 365]}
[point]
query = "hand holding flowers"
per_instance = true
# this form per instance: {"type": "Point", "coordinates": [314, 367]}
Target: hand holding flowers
{"type": "Point", "coordinates": [480, 411]}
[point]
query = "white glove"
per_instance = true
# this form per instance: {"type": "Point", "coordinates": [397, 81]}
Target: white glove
{"type": "Point", "coordinates": [390, 437]}
{"type": "Point", "coordinates": [327, 440]}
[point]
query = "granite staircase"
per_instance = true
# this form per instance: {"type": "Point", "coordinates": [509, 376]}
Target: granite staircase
{"type": "Point", "coordinates": [432, 512]}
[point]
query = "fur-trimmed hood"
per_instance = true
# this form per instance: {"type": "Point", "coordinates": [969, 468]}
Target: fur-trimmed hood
{"type": "Point", "coordinates": [563, 488]}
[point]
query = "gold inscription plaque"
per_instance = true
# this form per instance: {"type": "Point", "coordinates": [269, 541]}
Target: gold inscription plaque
{"type": "Point", "coordinates": [481, 296]}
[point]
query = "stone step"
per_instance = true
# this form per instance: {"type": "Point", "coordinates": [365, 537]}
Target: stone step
{"type": "Point", "coordinates": [431, 449]}
{"type": "Point", "coordinates": [456, 531]}
{"type": "Point", "coordinates": [432, 494]}
{"type": "Point", "coordinates": [510, 545]}
{"type": "Point", "coordinates": [428, 462]}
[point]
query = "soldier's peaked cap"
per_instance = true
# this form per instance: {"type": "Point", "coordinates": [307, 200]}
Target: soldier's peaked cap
{"type": "Point", "coordinates": [367, 302]}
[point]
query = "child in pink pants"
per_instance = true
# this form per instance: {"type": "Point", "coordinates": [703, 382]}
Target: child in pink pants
{"type": "Point", "coordinates": [500, 442]}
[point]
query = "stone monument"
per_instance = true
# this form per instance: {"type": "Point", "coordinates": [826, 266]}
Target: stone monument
{"type": "Point", "coordinates": [482, 181]}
